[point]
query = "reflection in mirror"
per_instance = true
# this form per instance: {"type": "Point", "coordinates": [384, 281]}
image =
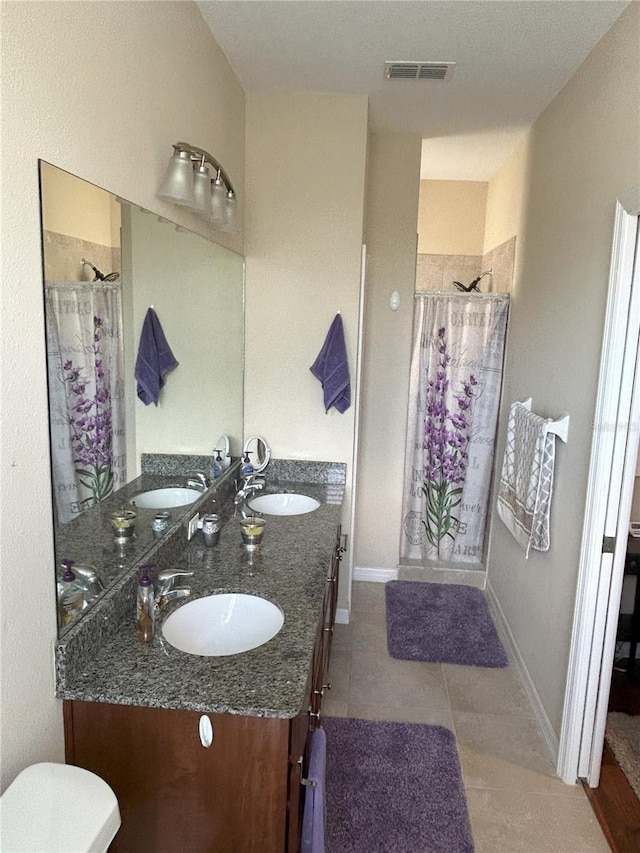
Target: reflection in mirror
{"type": "Point", "coordinates": [106, 262]}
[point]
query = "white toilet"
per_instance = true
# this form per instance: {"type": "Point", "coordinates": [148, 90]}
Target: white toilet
{"type": "Point", "coordinates": [57, 808]}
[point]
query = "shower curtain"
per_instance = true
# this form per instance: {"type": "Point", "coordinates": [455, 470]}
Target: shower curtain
{"type": "Point", "coordinates": [86, 393]}
{"type": "Point", "coordinates": [454, 393]}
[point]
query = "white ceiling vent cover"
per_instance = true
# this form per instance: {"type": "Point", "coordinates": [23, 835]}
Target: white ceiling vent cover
{"type": "Point", "coordinates": [418, 70]}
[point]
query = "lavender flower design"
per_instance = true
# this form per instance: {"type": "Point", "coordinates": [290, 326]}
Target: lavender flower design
{"type": "Point", "coordinates": [90, 419]}
{"type": "Point", "coordinates": [446, 443]}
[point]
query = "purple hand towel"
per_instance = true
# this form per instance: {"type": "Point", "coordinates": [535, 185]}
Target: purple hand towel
{"type": "Point", "coordinates": [331, 368]}
{"type": "Point", "coordinates": [154, 361]}
{"type": "Point", "coordinates": [313, 820]}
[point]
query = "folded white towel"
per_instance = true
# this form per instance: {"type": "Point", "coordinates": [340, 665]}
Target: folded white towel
{"type": "Point", "coordinates": [526, 484]}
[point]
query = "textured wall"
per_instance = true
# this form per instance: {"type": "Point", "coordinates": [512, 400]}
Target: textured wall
{"type": "Point", "coordinates": [102, 90]}
{"type": "Point", "coordinates": [303, 247]}
{"type": "Point", "coordinates": [390, 234]}
{"type": "Point", "coordinates": [451, 217]}
{"type": "Point", "coordinates": [558, 195]}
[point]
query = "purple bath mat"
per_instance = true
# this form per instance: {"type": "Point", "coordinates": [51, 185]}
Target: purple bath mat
{"type": "Point", "coordinates": [441, 623]}
{"type": "Point", "coordinates": [394, 788]}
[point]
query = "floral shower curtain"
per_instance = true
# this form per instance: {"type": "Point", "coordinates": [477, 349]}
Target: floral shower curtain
{"type": "Point", "coordinates": [86, 393]}
{"type": "Point", "coordinates": [454, 394]}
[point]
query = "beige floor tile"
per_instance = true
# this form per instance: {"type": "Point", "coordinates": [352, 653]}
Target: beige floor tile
{"type": "Point", "coordinates": [338, 675]}
{"type": "Point", "coordinates": [481, 690]}
{"type": "Point", "coordinates": [371, 635]}
{"type": "Point", "coordinates": [421, 574]}
{"type": "Point", "coordinates": [403, 714]}
{"type": "Point", "coordinates": [515, 822]}
{"type": "Point", "coordinates": [342, 638]}
{"type": "Point", "coordinates": [506, 753]}
{"type": "Point", "coordinates": [516, 803]}
{"type": "Point", "coordinates": [334, 707]}
{"type": "Point", "coordinates": [366, 599]}
{"type": "Point", "coordinates": [375, 680]}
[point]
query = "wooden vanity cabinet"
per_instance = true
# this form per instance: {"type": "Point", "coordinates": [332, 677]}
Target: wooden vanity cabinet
{"type": "Point", "coordinates": [176, 794]}
{"type": "Point", "coordinates": [326, 625]}
{"type": "Point", "coordinates": [242, 794]}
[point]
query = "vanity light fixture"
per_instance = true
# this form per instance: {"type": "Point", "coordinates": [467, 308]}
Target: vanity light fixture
{"type": "Point", "coordinates": [189, 182]}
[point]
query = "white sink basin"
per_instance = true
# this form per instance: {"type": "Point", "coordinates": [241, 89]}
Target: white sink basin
{"type": "Point", "coordinates": [165, 498]}
{"type": "Point", "coordinates": [284, 504]}
{"type": "Point", "coordinates": [224, 624]}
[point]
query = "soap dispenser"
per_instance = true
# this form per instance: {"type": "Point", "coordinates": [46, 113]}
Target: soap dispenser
{"type": "Point", "coordinates": [71, 594]}
{"type": "Point", "coordinates": [145, 618]}
{"type": "Point", "coordinates": [216, 468]}
{"type": "Point", "coordinates": [247, 467]}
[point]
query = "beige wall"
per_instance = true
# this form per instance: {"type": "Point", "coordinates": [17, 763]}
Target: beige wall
{"type": "Point", "coordinates": [78, 209]}
{"type": "Point", "coordinates": [451, 217]}
{"type": "Point", "coordinates": [391, 218]}
{"type": "Point", "coordinates": [558, 193]}
{"type": "Point", "coordinates": [305, 168]}
{"type": "Point", "coordinates": [102, 90]}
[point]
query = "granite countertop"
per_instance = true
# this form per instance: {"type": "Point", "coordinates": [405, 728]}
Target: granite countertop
{"type": "Point", "coordinates": [288, 568]}
{"type": "Point", "coordinates": [89, 539]}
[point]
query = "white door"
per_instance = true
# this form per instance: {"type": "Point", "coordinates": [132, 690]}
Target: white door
{"type": "Point", "coordinates": [609, 494]}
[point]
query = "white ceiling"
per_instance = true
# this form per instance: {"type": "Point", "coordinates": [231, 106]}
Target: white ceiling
{"type": "Point", "coordinates": [513, 57]}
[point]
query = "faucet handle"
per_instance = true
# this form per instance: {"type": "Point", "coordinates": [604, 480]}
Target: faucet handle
{"type": "Point", "coordinates": [165, 578]}
{"type": "Point", "coordinates": [172, 594]}
{"type": "Point", "coordinates": [200, 477]}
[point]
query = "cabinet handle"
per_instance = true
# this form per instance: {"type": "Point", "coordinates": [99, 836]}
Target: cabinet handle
{"type": "Point", "coordinates": [206, 731]}
{"type": "Point", "coordinates": [315, 714]}
{"type": "Point", "coordinates": [329, 629]}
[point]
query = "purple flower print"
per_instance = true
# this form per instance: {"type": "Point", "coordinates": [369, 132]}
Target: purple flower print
{"type": "Point", "coordinates": [446, 442]}
{"type": "Point", "coordinates": [90, 419]}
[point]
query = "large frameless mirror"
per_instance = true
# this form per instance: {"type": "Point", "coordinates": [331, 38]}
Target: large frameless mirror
{"type": "Point", "coordinates": [106, 264]}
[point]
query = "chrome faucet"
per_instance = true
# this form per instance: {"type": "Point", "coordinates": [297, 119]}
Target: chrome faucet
{"type": "Point", "coordinates": [198, 480]}
{"type": "Point", "coordinates": [164, 589]}
{"type": "Point", "coordinates": [250, 484]}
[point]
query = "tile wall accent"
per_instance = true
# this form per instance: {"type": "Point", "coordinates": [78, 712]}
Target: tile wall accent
{"type": "Point", "coordinates": [501, 260]}
{"type": "Point", "coordinates": [63, 258]}
{"type": "Point", "coordinates": [438, 272]}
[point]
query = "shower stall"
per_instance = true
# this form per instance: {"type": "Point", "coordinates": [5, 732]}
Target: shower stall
{"type": "Point", "coordinates": [454, 397]}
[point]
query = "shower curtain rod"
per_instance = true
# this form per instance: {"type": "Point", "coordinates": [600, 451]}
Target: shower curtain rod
{"type": "Point", "coordinates": [459, 295]}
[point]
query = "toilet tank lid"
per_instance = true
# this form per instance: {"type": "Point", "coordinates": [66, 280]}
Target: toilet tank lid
{"type": "Point", "coordinates": [58, 808]}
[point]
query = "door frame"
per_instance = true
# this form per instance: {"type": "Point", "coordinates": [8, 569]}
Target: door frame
{"type": "Point", "coordinates": [609, 494]}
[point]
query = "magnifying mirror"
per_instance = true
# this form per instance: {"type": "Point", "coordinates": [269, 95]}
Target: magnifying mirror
{"type": "Point", "coordinates": [260, 452]}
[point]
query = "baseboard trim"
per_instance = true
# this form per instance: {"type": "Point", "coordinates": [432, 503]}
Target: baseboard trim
{"type": "Point", "coordinates": [362, 573]}
{"type": "Point", "coordinates": [497, 613]}
{"type": "Point", "coordinates": [342, 616]}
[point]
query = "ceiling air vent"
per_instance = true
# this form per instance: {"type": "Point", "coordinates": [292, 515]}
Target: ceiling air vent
{"type": "Point", "coordinates": [418, 70]}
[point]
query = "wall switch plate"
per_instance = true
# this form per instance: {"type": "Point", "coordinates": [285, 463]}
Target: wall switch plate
{"type": "Point", "coordinates": [193, 525]}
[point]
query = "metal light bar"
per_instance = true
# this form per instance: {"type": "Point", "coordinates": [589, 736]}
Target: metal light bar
{"type": "Point", "coordinates": [197, 155]}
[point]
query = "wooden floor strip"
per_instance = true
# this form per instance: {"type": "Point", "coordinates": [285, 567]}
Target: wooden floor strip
{"type": "Point", "coordinates": [616, 806]}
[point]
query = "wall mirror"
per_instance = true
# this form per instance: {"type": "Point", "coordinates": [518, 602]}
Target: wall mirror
{"type": "Point", "coordinates": [106, 262]}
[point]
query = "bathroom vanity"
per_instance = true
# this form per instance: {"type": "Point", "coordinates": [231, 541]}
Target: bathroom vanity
{"type": "Point", "coordinates": [141, 716]}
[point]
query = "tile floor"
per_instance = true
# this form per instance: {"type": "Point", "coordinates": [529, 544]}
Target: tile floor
{"type": "Point", "coordinates": [516, 804]}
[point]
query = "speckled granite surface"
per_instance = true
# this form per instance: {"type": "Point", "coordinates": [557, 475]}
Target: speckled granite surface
{"type": "Point", "coordinates": [89, 539]}
{"type": "Point", "coordinates": [302, 471]}
{"type": "Point", "coordinates": [289, 568]}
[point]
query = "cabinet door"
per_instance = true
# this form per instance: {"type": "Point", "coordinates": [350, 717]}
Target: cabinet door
{"type": "Point", "coordinates": [297, 769]}
{"type": "Point", "coordinates": [332, 603]}
{"type": "Point", "coordinates": [177, 795]}
{"type": "Point", "coordinates": [318, 667]}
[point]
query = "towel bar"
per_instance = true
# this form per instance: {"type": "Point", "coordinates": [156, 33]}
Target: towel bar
{"type": "Point", "coordinates": [559, 427]}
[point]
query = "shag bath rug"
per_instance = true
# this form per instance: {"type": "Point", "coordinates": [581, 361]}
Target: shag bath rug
{"type": "Point", "coordinates": [441, 623]}
{"type": "Point", "coordinates": [623, 736]}
{"type": "Point", "coordinates": [394, 788]}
